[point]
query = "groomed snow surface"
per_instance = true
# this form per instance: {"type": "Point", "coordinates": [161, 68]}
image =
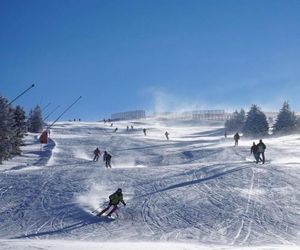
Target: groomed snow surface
{"type": "Point", "coordinates": [194, 191]}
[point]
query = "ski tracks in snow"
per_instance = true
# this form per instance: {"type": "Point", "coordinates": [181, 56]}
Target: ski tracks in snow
{"type": "Point", "coordinates": [246, 217]}
{"type": "Point", "coordinates": [207, 195]}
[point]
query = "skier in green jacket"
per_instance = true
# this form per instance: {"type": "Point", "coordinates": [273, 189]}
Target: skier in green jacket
{"type": "Point", "coordinates": [114, 200]}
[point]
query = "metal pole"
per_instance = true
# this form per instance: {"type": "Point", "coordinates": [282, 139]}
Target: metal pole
{"type": "Point", "coordinates": [51, 112]}
{"type": "Point", "coordinates": [64, 112]}
{"type": "Point", "coordinates": [21, 94]}
{"type": "Point", "coordinates": [46, 106]}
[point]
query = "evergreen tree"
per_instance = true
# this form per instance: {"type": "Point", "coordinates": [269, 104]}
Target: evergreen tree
{"type": "Point", "coordinates": [6, 130]}
{"type": "Point", "coordinates": [35, 120]}
{"type": "Point", "coordinates": [286, 120]}
{"type": "Point", "coordinates": [236, 122]}
{"type": "Point", "coordinates": [256, 122]}
{"type": "Point", "coordinates": [241, 118]}
{"type": "Point", "coordinates": [20, 129]}
{"type": "Point", "coordinates": [298, 124]}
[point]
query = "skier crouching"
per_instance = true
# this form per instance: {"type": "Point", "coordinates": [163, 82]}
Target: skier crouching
{"type": "Point", "coordinates": [114, 200]}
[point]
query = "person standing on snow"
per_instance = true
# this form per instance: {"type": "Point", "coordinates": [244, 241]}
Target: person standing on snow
{"type": "Point", "coordinates": [144, 131]}
{"type": "Point", "coordinates": [254, 151]}
{"type": "Point", "coordinates": [261, 147]}
{"type": "Point", "coordinates": [107, 159]}
{"type": "Point", "coordinates": [114, 200]}
{"type": "Point", "coordinates": [97, 153]}
{"type": "Point", "coordinates": [167, 135]}
{"type": "Point", "coordinates": [236, 138]}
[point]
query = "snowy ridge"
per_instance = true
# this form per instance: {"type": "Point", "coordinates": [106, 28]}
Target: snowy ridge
{"type": "Point", "coordinates": [196, 189]}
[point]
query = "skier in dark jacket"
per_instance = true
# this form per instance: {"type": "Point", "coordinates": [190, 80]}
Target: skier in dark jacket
{"type": "Point", "coordinates": [254, 152]}
{"type": "Point", "coordinates": [261, 147]}
{"type": "Point", "coordinates": [97, 153]}
{"type": "Point", "coordinates": [167, 135]}
{"type": "Point", "coordinates": [236, 138]}
{"type": "Point", "coordinates": [114, 200]}
{"type": "Point", "coordinates": [144, 131]}
{"type": "Point", "coordinates": [107, 159]}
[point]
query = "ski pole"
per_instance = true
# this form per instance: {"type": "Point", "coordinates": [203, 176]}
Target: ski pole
{"type": "Point", "coordinates": [95, 210]}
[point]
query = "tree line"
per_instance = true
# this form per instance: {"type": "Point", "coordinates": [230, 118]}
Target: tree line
{"type": "Point", "coordinates": [14, 125]}
{"type": "Point", "coordinates": [255, 122]}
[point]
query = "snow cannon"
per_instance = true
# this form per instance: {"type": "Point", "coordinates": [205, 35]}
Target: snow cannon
{"type": "Point", "coordinates": [44, 137]}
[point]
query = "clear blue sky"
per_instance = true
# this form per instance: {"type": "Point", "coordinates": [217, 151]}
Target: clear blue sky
{"type": "Point", "coordinates": [126, 55]}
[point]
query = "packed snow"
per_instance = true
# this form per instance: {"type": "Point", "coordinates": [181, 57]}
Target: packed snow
{"type": "Point", "coordinates": [193, 191]}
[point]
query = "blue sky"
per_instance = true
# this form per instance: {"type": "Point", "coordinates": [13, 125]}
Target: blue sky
{"type": "Point", "coordinates": [152, 55]}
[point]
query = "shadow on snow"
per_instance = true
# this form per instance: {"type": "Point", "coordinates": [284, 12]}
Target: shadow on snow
{"type": "Point", "coordinates": [200, 180]}
{"type": "Point", "coordinates": [84, 220]}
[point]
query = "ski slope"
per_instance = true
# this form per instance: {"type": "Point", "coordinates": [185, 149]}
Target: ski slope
{"type": "Point", "coordinates": [194, 191]}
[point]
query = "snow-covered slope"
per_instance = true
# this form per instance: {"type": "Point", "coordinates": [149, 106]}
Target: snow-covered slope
{"type": "Point", "coordinates": [195, 188]}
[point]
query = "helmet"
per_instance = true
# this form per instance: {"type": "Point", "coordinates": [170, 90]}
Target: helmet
{"type": "Point", "coordinates": [119, 190]}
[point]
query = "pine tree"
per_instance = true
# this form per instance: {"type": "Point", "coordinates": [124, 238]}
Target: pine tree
{"type": "Point", "coordinates": [7, 131]}
{"type": "Point", "coordinates": [35, 120]}
{"type": "Point", "coordinates": [236, 122]}
{"type": "Point", "coordinates": [241, 118]}
{"type": "Point", "coordinates": [20, 129]}
{"type": "Point", "coordinates": [298, 124]}
{"type": "Point", "coordinates": [286, 121]}
{"type": "Point", "coordinates": [256, 122]}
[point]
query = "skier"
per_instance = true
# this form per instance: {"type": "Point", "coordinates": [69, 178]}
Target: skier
{"type": "Point", "coordinates": [261, 147]}
{"type": "Point", "coordinates": [225, 135]}
{"type": "Point", "coordinates": [144, 130]}
{"type": "Point", "coordinates": [167, 135]}
{"type": "Point", "coordinates": [97, 153]}
{"type": "Point", "coordinates": [254, 151]}
{"type": "Point", "coordinates": [236, 138]}
{"type": "Point", "coordinates": [106, 159]}
{"type": "Point", "coordinates": [131, 126]}
{"type": "Point", "coordinates": [114, 200]}
{"type": "Point", "coordinates": [116, 129]}
{"type": "Point", "coordinates": [111, 124]}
